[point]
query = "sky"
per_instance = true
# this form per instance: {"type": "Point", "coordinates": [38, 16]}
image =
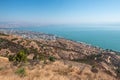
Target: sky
{"type": "Point", "coordinates": [61, 11]}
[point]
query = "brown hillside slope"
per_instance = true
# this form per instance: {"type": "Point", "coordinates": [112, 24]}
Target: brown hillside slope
{"type": "Point", "coordinates": [74, 61]}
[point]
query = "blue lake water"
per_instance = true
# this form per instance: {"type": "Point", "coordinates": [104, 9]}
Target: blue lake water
{"type": "Point", "coordinates": [107, 39]}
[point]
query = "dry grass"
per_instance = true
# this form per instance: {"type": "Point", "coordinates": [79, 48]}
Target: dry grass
{"type": "Point", "coordinates": [52, 71]}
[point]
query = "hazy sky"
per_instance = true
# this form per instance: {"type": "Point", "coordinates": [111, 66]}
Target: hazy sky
{"type": "Point", "coordinates": [60, 11]}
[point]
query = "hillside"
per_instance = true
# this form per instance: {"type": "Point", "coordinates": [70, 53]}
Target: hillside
{"type": "Point", "coordinates": [55, 59]}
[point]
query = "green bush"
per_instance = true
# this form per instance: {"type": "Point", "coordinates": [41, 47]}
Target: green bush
{"type": "Point", "coordinates": [20, 57]}
{"type": "Point", "coordinates": [21, 72]}
{"type": "Point", "coordinates": [51, 58]}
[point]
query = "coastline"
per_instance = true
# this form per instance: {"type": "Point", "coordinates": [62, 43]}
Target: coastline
{"type": "Point", "coordinates": [33, 35]}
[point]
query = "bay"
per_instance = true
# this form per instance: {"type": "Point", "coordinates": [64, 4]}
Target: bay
{"type": "Point", "coordinates": [104, 38]}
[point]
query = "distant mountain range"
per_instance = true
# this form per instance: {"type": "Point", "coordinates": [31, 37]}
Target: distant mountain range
{"type": "Point", "coordinates": [14, 25]}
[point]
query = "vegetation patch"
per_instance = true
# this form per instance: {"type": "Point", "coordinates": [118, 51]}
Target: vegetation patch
{"type": "Point", "coordinates": [20, 57]}
{"type": "Point", "coordinates": [51, 58]}
{"type": "Point", "coordinates": [21, 72]}
{"type": "Point", "coordinates": [43, 57]}
{"type": "Point", "coordinates": [91, 59]}
{"type": "Point", "coordinates": [14, 39]}
{"type": "Point", "coordinates": [40, 57]}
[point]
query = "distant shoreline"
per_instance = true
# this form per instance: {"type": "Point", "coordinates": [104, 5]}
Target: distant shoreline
{"type": "Point", "coordinates": [37, 34]}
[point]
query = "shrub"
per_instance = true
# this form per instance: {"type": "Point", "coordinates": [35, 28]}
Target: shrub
{"type": "Point", "coordinates": [21, 72]}
{"type": "Point", "coordinates": [51, 58]}
{"type": "Point", "coordinates": [20, 57]}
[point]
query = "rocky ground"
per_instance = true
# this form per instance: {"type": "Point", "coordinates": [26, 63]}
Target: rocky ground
{"type": "Point", "coordinates": [58, 59]}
